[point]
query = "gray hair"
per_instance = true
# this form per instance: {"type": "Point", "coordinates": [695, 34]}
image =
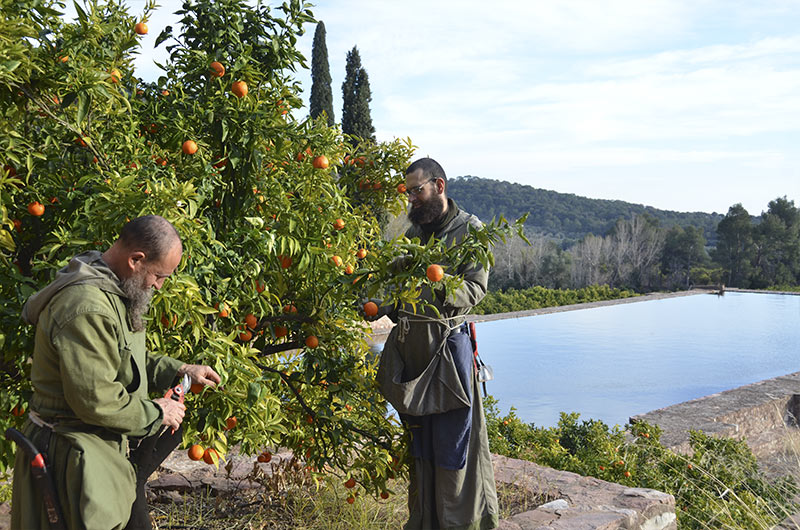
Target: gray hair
{"type": "Point", "coordinates": [151, 234]}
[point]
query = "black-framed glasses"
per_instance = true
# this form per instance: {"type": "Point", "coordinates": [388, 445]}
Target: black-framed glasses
{"type": "Point", "coordinates": [417, 189]}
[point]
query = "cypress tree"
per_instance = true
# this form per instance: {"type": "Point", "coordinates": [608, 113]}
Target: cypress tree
{"type": "Point", "coordinates": [356, 119]}
{"type": "Point", "coordinates": [321, 93]}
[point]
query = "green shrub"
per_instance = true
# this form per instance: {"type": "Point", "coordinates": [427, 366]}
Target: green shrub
{"type": "Point", "coordinates": [718, 486]}
{"type": "Point", "coordinates": [537, 297]}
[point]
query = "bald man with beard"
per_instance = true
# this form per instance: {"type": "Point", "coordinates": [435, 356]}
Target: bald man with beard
{"type": "Point", "coordinates": [91, 378]}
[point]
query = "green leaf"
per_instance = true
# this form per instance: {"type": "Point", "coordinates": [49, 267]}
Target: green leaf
{"type": "Point", "coordinates": [83, 106]}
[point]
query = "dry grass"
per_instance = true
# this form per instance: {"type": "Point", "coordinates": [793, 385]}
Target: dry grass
{"type": "Point", "coordinates": [295, 502]}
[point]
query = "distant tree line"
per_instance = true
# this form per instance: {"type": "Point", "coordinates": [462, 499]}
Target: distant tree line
{"type": "Point", "coordinates": [639, 253]}
{"type": "Point", "coordinates": [563, 216]}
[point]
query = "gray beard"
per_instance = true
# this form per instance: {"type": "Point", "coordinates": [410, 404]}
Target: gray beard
{"type": "Point", "coordinates": [427, 213]}
{"type": "Point", "coordinates": [137, 300]}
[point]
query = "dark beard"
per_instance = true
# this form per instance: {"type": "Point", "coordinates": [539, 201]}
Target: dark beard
{"type": "Point", "coordinates": [137, 300]}
{"type": "Point", "coordinates": [427, 213]}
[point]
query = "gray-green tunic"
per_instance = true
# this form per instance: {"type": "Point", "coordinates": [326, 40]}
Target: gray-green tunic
{"type": "Point", "coordinates": [418, 377]}
{"type": "Point", "coordinates": [90, 375]}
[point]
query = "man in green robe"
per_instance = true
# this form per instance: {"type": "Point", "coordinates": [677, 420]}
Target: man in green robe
{"type": "Point", "coordinates": [91, 376]}
{"type": "Point", "coordinates": [427, 373]}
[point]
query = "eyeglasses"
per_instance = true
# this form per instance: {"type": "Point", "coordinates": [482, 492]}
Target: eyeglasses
{"type": "Point", "coordinates": [417, 189]}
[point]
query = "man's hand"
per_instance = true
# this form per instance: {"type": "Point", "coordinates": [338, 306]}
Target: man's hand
{"type": "Point", "coordinates": [200, 373]}
{"type": "Point", "coordinates": [173, 412]}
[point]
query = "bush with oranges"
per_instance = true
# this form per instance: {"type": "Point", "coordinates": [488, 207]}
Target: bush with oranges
{"type": "Point", "coordinates": [287, 334]}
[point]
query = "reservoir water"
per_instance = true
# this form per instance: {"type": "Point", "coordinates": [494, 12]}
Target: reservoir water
{"type": "Point", "coordinates": [610, 363]}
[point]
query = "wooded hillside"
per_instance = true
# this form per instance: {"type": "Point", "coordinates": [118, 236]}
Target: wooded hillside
{"type": "Point", "coordinates": [564, 215]}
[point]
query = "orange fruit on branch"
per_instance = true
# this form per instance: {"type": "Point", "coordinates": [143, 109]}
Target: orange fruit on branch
{"type": "Point", "coordinates": [189, 147]}
{"type": "Point", "coordinates": [312, 341]}
{"type": "Point", "coordinates": [216, 69]}
{"type": "Point", "coordinates": [434, 272]}
{"type": "Point", "coordinates": [362, 253]}
{"type": "Point", "coordinates": [230, 423]}
{"type": "Point", "coordinates": [251, 321]}
{"type": "Point", "coordinates": [210, 456]}
{"type": "Point", "coordinates": [239, 89]}
{"type": "Point", "coordinates": [350, 483]}
{"type": "Point", "coordinates": [321, 162]}
{"type": "Point", "coordinates": [196, 388]}
{"type": "Point", "coordinates": [224, 311]}
{"type": "Point", "coordinates": [337, 261]}
{"type": "Point", "coordinates": [281, 331]}
{"type": "Point", "coordinates": [196, 452]}
{"type": "Point", "coordinates": [115, 75]}
{"type": "Point", "coordinates": [140, 28]}
{"type": "Point", "coordinates": [245, 336]}
{"type": "Point", "coordinates": [370, 309]}
{"type": "Point", "coordinates": [401, 188]}
{"type": "Point", "coordinates": [36, 209]}
{"type": "Point", "coordinates": [338, 224]}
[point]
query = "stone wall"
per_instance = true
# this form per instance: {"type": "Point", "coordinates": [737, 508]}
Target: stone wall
{"type": "Point", "coordinates": [582, 503]}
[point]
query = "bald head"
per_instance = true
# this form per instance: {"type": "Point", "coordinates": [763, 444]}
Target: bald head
{"type": "Point", "coordinates": [152, 235]}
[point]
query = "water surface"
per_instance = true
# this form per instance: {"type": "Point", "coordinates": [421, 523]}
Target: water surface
{"type": "Point", "coordinates": [613, 362]}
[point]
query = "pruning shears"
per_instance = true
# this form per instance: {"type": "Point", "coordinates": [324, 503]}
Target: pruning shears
{"type": "Point", "coordinates": [178, 392]}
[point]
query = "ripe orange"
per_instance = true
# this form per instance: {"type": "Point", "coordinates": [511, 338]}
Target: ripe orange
{"type": "Point", "coordinates": [312, 341]}
{"type": "Point", "coordinates": [338, 224]}
{"type": "Point", "coordinates": [36, 209]}
{"type": "Point", "coordinates": [18, 225]}
{"type": "Point", "coordinates": [245, 336]}
{"type": "Point", "coordinates": [401, 188]}
{"type": "Point", "coordinates": [64, 58]}
{"type": "Point", "coordinates": [230, 423]}
{"type": "Point", "coordinates": [370, 309]}
{"type": "Point", "coordinates": [362, 253]}
{"type": "Point", "coordinates": [302, 154]}
{"type": "Point", "coordinates": [627, 474]}
{"type": "Point", "coordinates": [196, 452]}
{"type": "Point", "coordinates": [290, 308]}
{"type": "Point", "coordinates": [18, 411]}
{"type": "Point", "coordinates": [239, 89]}
{"type": "Point", "coordinates": [350, 483]}
{"type": "Point", "coordinates": [337, 261]}
{"type": "Point", "coordinates": [260, 287]}
{"type": "Point", "coordinates": [281, 331]}
{"type": "Point", "coordinates": [115, 75]}
{"type": "Point", "coordinates": [165, 92]}
{"type": "Point", "coordinates": [348, 269]}
{"type": "Point", "coordinates": [321, 162]}
{"type": "Point", "coordinates": [210, 456]}
{"type": "Point", "coordinates": [216, 69]}
{"type": "Point", "coordinates": [435, 273]}
{"type": "Point", "coordinates": [189, 147]}
{"type": "Point", "coordinates": [140, 28]}
{"type": "Point", "coordinates": [166, 322]}
{"type": "Point", "coordinates": [224, 311]}
{"type": "Point", "coordinates": [384, 495]}
{"type": "Point", "coordinates": [286, 261]}
{"type": "Point", "coordinates": [351, 500]}
{"type": "Point", "coordinates": [196, 388]}
{"type": "Point", "coordinates": [265, 457]}
{"type": "Point", "coordinates": [251, 321]}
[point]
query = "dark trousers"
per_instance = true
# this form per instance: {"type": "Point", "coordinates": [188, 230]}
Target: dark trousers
{"type": "Point", "coordinates": [146, 457]}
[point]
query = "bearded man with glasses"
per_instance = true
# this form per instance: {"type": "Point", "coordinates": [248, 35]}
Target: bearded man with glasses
{"type": "Point", "coordinates": [426, 372]}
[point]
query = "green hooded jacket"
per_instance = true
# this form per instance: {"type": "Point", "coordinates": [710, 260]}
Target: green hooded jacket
{"type": "Point", "coordinates": [91, 376]}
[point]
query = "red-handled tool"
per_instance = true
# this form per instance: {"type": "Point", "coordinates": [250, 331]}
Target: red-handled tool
{"type": "Point", "coordinates": [178, 392]}
{"type": "Point", "coordinates": [41, 478]}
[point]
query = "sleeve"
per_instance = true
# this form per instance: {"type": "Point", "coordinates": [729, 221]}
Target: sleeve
{"type": "Point", "coordinates": [161, 372]}
{"type": "Point", "coordinates": [89, 361]}
{"type": "Point", "coordinates": [471, 291]}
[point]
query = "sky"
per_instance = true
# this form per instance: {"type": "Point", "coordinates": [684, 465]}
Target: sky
{"type": "Point", "coordinates": [687, 105]}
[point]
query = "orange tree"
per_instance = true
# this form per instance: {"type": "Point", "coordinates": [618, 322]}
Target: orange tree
{"type": "Point", "coordinates": [281, 245]}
